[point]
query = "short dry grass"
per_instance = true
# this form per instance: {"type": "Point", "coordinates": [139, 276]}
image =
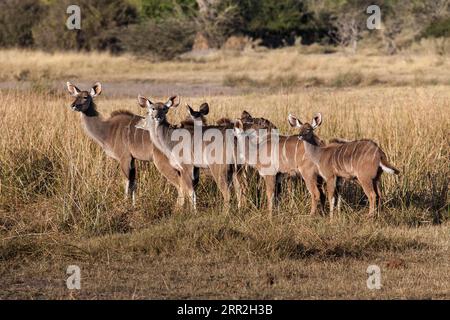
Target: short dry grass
{"type": "Point", "coordinates": [61, 198]}
{"type": "Point", "coordinates": [283, 67]}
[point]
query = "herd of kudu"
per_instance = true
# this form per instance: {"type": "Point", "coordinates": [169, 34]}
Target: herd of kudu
{"type": "Point", "coordinates": [127, 137]}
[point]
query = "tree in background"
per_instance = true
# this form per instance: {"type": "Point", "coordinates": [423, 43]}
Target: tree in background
{"type": "Point", "coordinates": [165, 39]}
{"type": "Point", "coordinates": [159, 10]}
{"type": "Point", "coordinates": [348, 18]}
{"type": "Point", "coordinates": [406, 21]}
{"type": "Point", "coordinates": [101, 22]}
{"type": "Point", "coordinates": [216, 20]}
{"type": "Point", "coordinates": [278, 22]}
{"type": "Point", "coordinates": [17, 18]}
{"type": "Point", "coordinates": [166, 28]}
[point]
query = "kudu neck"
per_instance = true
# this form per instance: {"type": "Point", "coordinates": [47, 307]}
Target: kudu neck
{"type": "Point", "coordinates": [312, 148]}
{"type": "Point", "coordinates": [94, 125]}
{"type": "Point", "coordinates": [91, 111]}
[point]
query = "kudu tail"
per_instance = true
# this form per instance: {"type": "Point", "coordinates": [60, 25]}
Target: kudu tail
{"type": "Point", "coordinates": [386, 166]}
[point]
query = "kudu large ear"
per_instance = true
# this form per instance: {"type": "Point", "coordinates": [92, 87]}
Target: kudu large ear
{"type": "Point", "coordinates": [96, 89]}
{"type": "Point", "coordinates": [204, 109]}
{"type": "Point", "coordinates": [144, 102]}
{"type": "Point", "coordinates": [317, 120]}
{"type": "Point", "coordinates": [73, 90]}
{"type": "Point", "coordinates": [245, 116]}
{"type": "Point", "coordinates": [294, 122]}
{"type": "Point", "coordinates": [190, 110]}
{"type": "Point", "coordinates": [171, 102]}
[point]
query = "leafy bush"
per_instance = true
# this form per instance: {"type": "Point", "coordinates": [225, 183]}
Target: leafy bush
{"type": "Point", "coordinates": [101, 21]}
{"type": "Point", "coordinates": [161, 9]}
{"type": "Point", "coordinates": [440, 28]}
{"type": "Point", "coordinates": [277, 22]}
{"type": "Point", "coordinates": [17, 17]}
{"type": "Point", "coordinates": [165, 39]}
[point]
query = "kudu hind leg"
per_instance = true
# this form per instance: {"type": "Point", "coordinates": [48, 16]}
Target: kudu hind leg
{"type": "Point", "coordinates": [368, 186]}
{"type": "Point", "coordinates": [377, 188]}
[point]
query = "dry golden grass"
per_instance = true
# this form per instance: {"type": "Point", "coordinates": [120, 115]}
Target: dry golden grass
{"type": "Point", "coordinates": [61, 198]}
{"type": "Point", "coordinates": [274, 66]}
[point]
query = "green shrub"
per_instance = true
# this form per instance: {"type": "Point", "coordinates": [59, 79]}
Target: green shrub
{"type": "Point", "coordinates": [438, 29]}
{"type": "Point", "coordinates": [279, 22]}
{"type": "Point", "coordinates": [165, 39]}
{"type": "Point", "coordinates": [17, 18]}
{"type": "Point", "coordinates": [162, 9]}
{"type": "Point", "coordinates": [101, 21]}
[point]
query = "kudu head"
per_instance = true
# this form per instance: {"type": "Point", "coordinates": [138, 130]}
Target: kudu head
{"type": "Point", "coordinates": [84, 100]}
{"type": "Point", "coordinates": [157, 111]}
{"type": "Point", "coordinates": [200, 114]}
{"type": "Point", "coordinates": [306, 130]}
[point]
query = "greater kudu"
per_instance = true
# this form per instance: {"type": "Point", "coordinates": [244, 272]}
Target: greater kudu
{"type": "Point", "coordinates": [287, 156]}
{"type": "Point", "coordinates": [117, 135]}
{"type": "Point", "coordinates": [160, 131]}
{"type": "Point", "coordinates": [362, 160]}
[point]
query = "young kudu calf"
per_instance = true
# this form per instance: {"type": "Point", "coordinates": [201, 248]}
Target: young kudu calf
{"type": "Point", "coordinates": [362, 160]}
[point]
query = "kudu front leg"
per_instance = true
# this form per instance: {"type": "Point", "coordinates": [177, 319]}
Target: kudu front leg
{"type": "Point", "coordinates": [271, 185]}
{"type": "Point", "coordinates": [240, 184]}
{"type": "Point", "coordinates": [127, 164]}
{"type": "Point", "coordinates": [311, 185]}
{"type": "Point", "coordinates": [223, 181]}
{"type": "Point", "coordinates": [186, 183]}
{"type": "Point", "coordinates": [171, 174]}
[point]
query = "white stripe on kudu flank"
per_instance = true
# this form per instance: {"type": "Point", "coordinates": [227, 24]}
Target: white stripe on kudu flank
{"type": "Point", "coordinates": [353, 153]}
{"type": "Point", "coordinates": [344, 159]}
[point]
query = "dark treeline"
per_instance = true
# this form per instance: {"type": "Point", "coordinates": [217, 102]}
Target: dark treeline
{"type": "Point", "coordinates": [167, 28]}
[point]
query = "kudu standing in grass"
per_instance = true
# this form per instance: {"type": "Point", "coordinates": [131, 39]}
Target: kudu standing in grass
{"type": "Point", "coordinates": [122, 139]}
{"type": "Point", "coordinates": [243, 171]}
{"type": "Point", "coordinates": [117, 135]}
{"type": "Point", "coordinates": [195, 118]}
{"type": "Point", "coordinates": [160, 133]}
{"type": "Point", "coordinates": [233, 173]}
{"type": "Point", "coordinates": [362, 160]}
{"type": "Point", "coordinates": [221, 167]}
{"type": "Point", "coordinates": [288, 159]}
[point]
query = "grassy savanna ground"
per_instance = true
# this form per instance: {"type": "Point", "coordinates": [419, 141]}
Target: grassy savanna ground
{"type": "Point", "coordinates": [61, 198]}
{"type": "Point", "coordinates": [286, 67]}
